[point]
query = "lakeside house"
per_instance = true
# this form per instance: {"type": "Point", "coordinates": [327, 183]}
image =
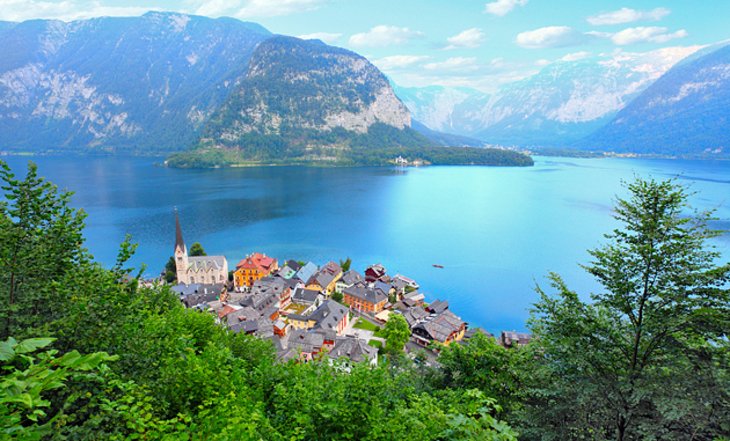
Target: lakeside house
{"type": "Point", "coordinates": [365, 299]}
{"type": "Point", "coordinates": [348, 279]}
{"type": "Point", "coordinates": [325, 279]}
{"type": "Point", "coordinates": [197, 269]}
{"type": "Point", "coordinates": [252, 268]}
{"type": "Point", "coordinates": [376, 272]}
{"type": "Point", "coordinates": [510, 339]}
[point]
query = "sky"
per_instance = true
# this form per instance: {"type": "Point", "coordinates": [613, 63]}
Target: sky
{"type": "Point", "coordinates": [460, 43]}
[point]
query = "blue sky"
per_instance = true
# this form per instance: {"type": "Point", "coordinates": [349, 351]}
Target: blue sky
{"type": "Point", "coordinates": [470, 43]}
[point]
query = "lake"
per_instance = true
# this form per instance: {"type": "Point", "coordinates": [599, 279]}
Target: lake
{"type": "Point", "coordinates": [496, 231]}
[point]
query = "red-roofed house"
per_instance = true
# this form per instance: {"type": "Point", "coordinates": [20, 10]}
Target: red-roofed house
{"type": "Point", "coordinates": [252, 268]}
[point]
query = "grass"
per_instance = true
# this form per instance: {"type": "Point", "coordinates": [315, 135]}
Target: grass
{"type": "Point", "coordinates": [380, 333]}
{"type": "Point", "coordinates": [376, 343]}
{"type": "Point", "coordinates": [296, 308]}
{"type": "Point", "coordinates": [366, 325]}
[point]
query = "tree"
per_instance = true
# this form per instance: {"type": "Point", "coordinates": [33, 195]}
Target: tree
{"type": "Point", "coordinates": [482, 364]}
{"type": "Point", "coordinates": [40, 242]}
{"type": "Point", "coordinates": [345, 264]}
{"type": "Point", "coordinates": [337, 296]}
{"type": "Point", "coordinates": [196, 249]}
{"type": "Point", "coordinates": [397, 333]}
{"type": "Point", "coordinates": [170, 273]}
{"type": "Point", "coordinates": [28, 380]}
{"type": "Point", "coordinates": [611, 368]}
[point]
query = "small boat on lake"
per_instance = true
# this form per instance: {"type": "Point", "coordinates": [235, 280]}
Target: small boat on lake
{"type": "Point", "coordinates": [435, 265]}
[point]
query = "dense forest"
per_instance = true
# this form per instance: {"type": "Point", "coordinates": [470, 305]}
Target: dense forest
{"type": "Point", "coordinates": [88, 352]}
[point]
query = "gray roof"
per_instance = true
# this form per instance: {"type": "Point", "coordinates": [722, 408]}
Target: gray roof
{"type": "Point", "coordinates": [351, 277]}
{"type": "Point", "coordinates": [197, 288]}
{"type": "Point", "coordinates": [439, 327]}
{"type": "Point", "coordinates": [305, 296]}
{"type": "Point", "coordinates": [382, 287]}
{"type": "Point", "coordinates": [354, 349]}
{"type": "Point", "coordinates": [415, 315]}
{"type": "Point", "coordinates": [364, 293]}
{"type": "Point", "coordinates": [438, 306]}
{"type": "Point", "coordinates": [198, 264]}
{"type": "Point", "coordinates": [328, 315]}
{"type": "Point", "coordinates": [306, 272]}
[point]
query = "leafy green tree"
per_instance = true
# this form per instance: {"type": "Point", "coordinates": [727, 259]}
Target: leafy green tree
{"type": "Point", "coordinates": [29, 379]}
{"type": "Point", "coordinates": [170, 273]}
{"type": "Point", "coordinates": [346, 264]}
{"type": "Point", "coordinates": [337, 296]}
{"type": "Point", "coordinates": [482, 364]}
{"type": "Point", "coordinates": [40, 241]}
{"type": "Point", "coordinates": [196, 249]}
{"type": "Point", "coordinates": [397, 333]}
{"type": "Point", "coordinates": [611, 368]}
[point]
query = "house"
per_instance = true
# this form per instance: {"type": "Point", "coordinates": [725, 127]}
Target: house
{"type": "Point", "coordinates": [443, 328]}
{"type": "Point", "coordinates": [197, 269]}
{"type": "Point", "coordinates": [252, 268]}
{"type": "Point", "coordinates": [289, 269]}
{"type": "Point", "coordinates": [326, 278]}
{"type": "Point", "coordinates": [279, 286]}
{"type": "Point", "coordinates": [308, 297]}
{"type": "Point", "coordinates": [364, 299]}
{"type": "Point", "coordinates": [471, 332]}
{"type": "Point", "coordinates": [403, 284]}
{"type": "Point", "coordinates": [198, 293]}
{"type": "Point", "coordinates": [300, 345]}
{"type": "Point", "coordinates": [376, 272]}
{"type": "Point", "coordinates": [510, 339]}
{"type": "Point", "coordinates": [415, 315]}
{"type": "Point", "coordinates": [438, 306]}
{"type": "Point", "coordinates": [385, 288]}
{"type": "Point", "coordinates": [354, 350]}
{"type": "Point", "coordinates": [414, 298]}
{"type": "Point", "coordinates": [329, 317]}
{"type": "Point", "coordinates": [306, 272]}
{"type": "Point", "coordinates": [348, 279]}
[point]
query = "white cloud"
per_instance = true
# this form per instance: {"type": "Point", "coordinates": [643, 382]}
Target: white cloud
{"type": "Point", "coordinates": [651, 34]}
{"type": "Point", "coordinates": [550, 36]}
{"type": "Point", "coordinates": [399, 61]}
{"type": "Point", "coordinates": [384, 35]}
{"type": "Point", "coordinates": [627, 15]}
{"type": "Point", "coordinates": [542, 62]}
{"type": "Point", "coordinates": [254, 8]}
{"type": "Point", "coordinates": [460, 64]}
{"type": "Point", "coordinates": [503, 7]}
{"type": "Point", "coordinates": [576, 56]}
{"type": "Point", "coordinates": [327, 37]}
{"type": "Point", "coordinates": [470, 38]}
{"type": "Point", "coordinates": [67, 10]}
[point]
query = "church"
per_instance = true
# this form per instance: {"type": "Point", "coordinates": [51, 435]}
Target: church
{"type": "Point", "coordinates": [197, 269]}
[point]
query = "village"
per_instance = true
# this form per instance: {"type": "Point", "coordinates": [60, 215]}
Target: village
{"type": "Point", "coordinates": [310, 312]}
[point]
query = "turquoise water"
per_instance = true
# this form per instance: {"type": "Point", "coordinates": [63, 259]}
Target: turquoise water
{"type": "Point", "coordinates": [496, 231]}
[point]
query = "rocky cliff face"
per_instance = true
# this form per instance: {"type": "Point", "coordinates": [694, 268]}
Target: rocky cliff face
{"type": "Point", "coordinates": [137, 84]}
{"type": "Point", "coordinates": [302, 90]}
{"type": "Point", "coordinates": [685, 112]}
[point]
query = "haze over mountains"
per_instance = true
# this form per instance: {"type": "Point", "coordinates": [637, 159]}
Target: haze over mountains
{"type": "Point", "coordinates": [165, 82]}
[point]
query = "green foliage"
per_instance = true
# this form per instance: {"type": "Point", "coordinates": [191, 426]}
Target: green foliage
{"type": "Point", "coordinates": [28, 379]}
{"type": "Point", "coordinates": [397, 333]}
{"type": "Point", "coordinates": [346, 264]}
{"type": "Point", "coordinates": [482, 364]}
{"type": "Point", "coordinates": [40, 242]}
{"type": "Point", "coordinates": [627, 365]}
{"type": "Point", "coordinates": [170, 273]}
{"type": "Point", "coordinates": [337, 296]}
{"type": "Point", "coordinates": [196, 249]}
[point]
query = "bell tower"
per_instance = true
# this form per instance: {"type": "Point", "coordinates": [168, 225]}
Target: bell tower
{"type": "Point", "coordinates": [181, 253]}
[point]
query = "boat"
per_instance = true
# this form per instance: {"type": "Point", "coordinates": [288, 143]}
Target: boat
{"type": "Point", "coordinates": [435, 265]}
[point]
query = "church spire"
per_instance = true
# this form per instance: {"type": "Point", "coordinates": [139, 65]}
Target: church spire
{"type": "Point", "coordinates": [179, 242]}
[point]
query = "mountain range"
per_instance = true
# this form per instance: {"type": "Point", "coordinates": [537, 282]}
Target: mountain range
{"type": "Point", "coordinates": [166, 82]}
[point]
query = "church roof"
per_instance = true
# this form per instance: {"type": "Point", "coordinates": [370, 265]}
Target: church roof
{"type": "Point", "coordinates": [198, 264]}
{"type": "Point", "coordinates": [179, 242]}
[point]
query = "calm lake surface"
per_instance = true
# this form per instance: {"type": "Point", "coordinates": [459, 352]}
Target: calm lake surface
{"type": "Point", "coordinates": [496, 231]}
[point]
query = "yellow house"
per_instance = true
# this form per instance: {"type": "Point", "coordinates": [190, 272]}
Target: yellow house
{"type": "Point", "coordinates": [297, 321]}
{"type": "Point", "coordinates": [325, 280]}
{"type": "Point", "coordinates": [253, 268]}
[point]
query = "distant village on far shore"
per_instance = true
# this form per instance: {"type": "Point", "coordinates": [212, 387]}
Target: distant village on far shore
{"type": "Point", "coordinates": [311, 312]}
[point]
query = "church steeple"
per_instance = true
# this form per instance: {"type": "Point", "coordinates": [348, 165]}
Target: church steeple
{"type": "Point", "coordinates": [179, 242]}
